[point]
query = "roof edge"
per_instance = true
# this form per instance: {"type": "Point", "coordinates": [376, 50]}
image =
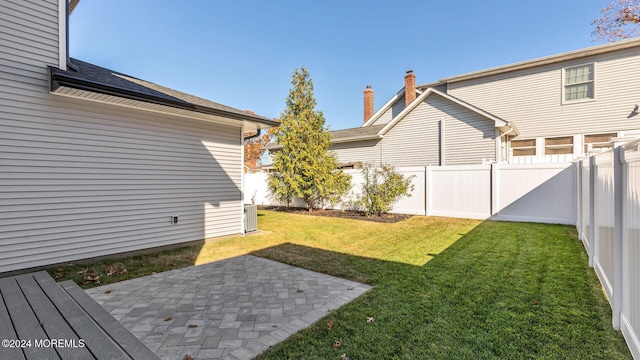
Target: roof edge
{"type": "Point", "coordinates": [551, 59]}
{"type": "Point", "coordinates": [357, 138]}
{"type": "Point", "coordinates": [60, 79]}
{"type": "Point", "coordinates": [498, 122]}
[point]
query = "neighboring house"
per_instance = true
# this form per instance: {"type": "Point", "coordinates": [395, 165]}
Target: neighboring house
{"type": "Point", "coordinates": [94, 162]}
{"type": "Point", "coordinates": [550, 109]}
{"type": "Point", "coordinates": [251, 167]}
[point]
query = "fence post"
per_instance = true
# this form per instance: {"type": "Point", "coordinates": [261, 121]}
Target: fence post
{"type": "Point", "coordinates": [592, 208]}
{"type": "Point", "coordinates": [577, 175]}
{"type": "Point", "coordinates": [427, 190]}
{"type": "Point", "coordinates": [618, 191]}
{"type": "Point", "coordinates": [578, 178]}
{"type": "Point", "coordinates": [495, 186]}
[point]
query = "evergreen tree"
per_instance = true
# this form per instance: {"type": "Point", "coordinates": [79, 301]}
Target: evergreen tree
{"type": "Point", "coordinates": [305, 167]}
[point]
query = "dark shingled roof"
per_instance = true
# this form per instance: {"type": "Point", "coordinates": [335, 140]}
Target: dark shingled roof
{"type": "Point", "coordinates": [113, 81]}
{"type": "Point", "coordinates": [356, 132]}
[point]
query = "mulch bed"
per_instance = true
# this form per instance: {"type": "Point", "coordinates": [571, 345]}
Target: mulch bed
{"type": "Point", "coordinates": [343, 214]}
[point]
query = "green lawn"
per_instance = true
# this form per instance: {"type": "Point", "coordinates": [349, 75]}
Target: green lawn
{"type": "Point", "coordinates": [443, 288]}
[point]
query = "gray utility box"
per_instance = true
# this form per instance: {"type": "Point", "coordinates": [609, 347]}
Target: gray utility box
{"type": "Point", "coordinates": [250, 218]}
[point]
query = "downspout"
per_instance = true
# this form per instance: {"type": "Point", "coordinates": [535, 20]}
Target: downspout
{"type": "Point", "coordinates": [258, 132]}
{"type": "Point", "coordinates": [511, 129]}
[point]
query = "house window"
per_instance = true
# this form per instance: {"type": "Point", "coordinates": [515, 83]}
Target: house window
{"type": "Point", "coordinates": [579, 83]}
{"type": "Point", "coordinates": [558, 145]}
{"type": "Point", "coordinates": [523, 147]}
{"type": "Point", "coordinates": [597, 141]}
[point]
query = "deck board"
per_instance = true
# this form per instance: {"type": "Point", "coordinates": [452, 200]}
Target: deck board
{"type": "Point", "coordinates": [24, 321]}
{"type": "Point", "coordinates": [59, 321]}
{"type": "Point", "coordinates": [52, 321]}
{"type": "Point", "coordinates": [95, 339]}
{"type": "Point", "coordinates": [7, 332]}
{"type": "Point", "coordinates": [132, 345]}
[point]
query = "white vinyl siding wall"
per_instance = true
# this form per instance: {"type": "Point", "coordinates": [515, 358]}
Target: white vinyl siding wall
{"type": "Point", "coordinates": [532, 98]}
{"type": "Point", "coordinates": [81, 179]}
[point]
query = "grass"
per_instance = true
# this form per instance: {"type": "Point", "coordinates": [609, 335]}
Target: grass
{"type": "Point", "coordinates": [443, 288]}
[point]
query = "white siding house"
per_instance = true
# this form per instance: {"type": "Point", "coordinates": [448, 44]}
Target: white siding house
{"type": "Point", "coordinates": [551, 109]}
{"type": "Point", "coordinates": [94, 162]}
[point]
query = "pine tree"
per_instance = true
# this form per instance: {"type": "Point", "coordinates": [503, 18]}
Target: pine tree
{"type": "Point", "coordinates": [305, 167]}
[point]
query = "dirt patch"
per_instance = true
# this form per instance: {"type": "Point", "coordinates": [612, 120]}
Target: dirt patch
{"type": "Point", "coordinates": [343, 214]}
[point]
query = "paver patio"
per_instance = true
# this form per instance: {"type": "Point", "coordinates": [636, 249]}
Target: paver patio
{"type": "Point", "coordinates": [229, 309]}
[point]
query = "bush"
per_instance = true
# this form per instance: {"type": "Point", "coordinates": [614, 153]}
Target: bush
{"type": "Point", "coordinates": [382, 187]}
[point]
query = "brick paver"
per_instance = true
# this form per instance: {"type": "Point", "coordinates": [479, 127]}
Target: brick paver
{"type": "Point", "coordinates": [229, 309]}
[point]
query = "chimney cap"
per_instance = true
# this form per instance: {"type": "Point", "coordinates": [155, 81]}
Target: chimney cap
{"type": "Point", "coordinates": [409, 71]}
{"type": "Point", "coordinates": [368, 86]}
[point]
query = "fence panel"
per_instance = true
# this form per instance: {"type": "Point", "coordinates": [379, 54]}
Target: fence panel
{"type": "Point", "coordinates": [462, 191]}
{"type": "Point", "coordinates": [414, 205]}
{"type": "Point", "coordinates": [535, 192]}
{"type": "Point", "coordinates": [604, 207]}
{"type": "Point", "coordinates": [630, 316]}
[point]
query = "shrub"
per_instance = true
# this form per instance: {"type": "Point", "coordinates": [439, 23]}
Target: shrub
{"type": "Point", "coordinates": [382, 187]}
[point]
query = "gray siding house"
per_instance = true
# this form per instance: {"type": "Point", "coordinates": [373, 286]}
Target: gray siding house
{"type": "Point", "coordinates": [94, 162]}
{"type": "Point", "coordinates": [551, 109]}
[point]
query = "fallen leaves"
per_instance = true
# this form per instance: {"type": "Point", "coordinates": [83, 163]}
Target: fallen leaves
{"type": "Point", "coordinates": [344, 356]}
{"type": "Point", "coordinates": [299, 291]}
{"type": "Point", "coordinates": [370, 319]}
{"type": "Point", "coordinates": [337, 344]}
{"type": "Point", "coordinates": [536, 302]}
{"type": "Point", "coordinates": [89, 276]}
{"type": "Point", "coordinates": [189, 357]}
{"type": "Point", "coordinates": [113, 270]}
{"type": "Point", "coordinates": [330, 324]}
{"type": "Point", "coordinates": [107, 292]}
{"type": "Point", "coordinates": [193, 325]}
{"type": "Point", "coordinates": [168, 318]}
{"type": "Point", "coordinates": [350, 288]}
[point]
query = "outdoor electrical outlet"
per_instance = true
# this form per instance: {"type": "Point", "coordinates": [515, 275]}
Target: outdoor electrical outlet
{"type": "Point", "coordinates": [174, 219]}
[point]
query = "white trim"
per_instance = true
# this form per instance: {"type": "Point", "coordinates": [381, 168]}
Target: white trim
{"type": "Point", "coordinates": [578, 101]}
{"type": "Point", "coordinates": [157, 108]}
{"type": "Point", "coordinates": [62, 34]}
{"type": "Point", "coordinates": [498, 122]}
{"type": "Point", "coordinates": [384, 108]}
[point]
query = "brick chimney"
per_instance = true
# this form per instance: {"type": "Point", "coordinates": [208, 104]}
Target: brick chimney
{"type": "Point", "coordinates": [409, 87]}
{"type": "Point", "coordinates": [368, 103]}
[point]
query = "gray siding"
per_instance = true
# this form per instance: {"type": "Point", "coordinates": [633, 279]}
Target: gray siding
{"type": "Point", "coordinates": [29, 32]}
{"type": "Point", "coordinates": [531, 98]}
{"type": "Point", "coordinates": [360, 151]}
{"type": "Point", "coordinates": [415, 140]}
{"type": "Point", "coordinates": [469, 137]}
{"type": "Point", "coordinates": [391, 112]}
{"type": "Point", "coordinates": [83, 179]}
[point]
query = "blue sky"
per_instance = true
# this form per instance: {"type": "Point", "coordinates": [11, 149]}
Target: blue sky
{"type": "Point", "coordinates": [242, 53]}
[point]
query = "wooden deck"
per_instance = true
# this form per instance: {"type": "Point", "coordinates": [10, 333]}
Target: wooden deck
{"type": "Point", "coordinates": [42, 319]}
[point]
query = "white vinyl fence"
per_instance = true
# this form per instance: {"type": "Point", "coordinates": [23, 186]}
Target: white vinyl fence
{"type": "Point", "coordinates": [608, 223]}
{"type": "Point", "coordinates": [523, 192]}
